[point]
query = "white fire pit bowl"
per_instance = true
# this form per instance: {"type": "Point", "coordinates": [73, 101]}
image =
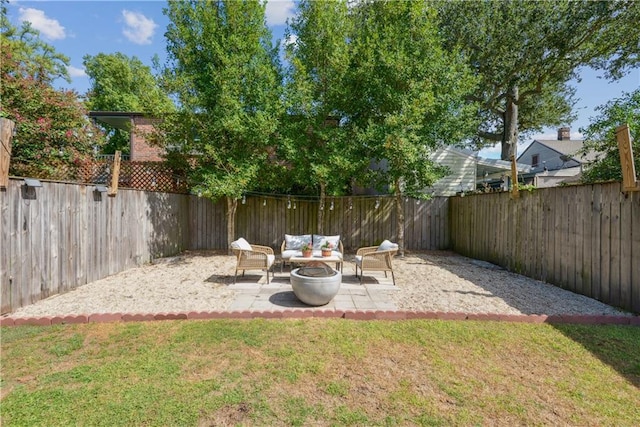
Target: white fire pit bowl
{"type": "Point", "coordinates": [315, 290]}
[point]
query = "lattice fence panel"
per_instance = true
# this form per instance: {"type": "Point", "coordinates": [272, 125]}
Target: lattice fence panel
{"type": "Point", "coordinates": [149, 176]}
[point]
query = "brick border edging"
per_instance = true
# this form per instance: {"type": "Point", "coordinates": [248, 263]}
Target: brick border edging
{"type": "Point", "coordinates": [307, 313]}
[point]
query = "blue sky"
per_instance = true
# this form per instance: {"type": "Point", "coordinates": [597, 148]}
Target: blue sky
{"type": "Point", "coordinates": [136, 28]}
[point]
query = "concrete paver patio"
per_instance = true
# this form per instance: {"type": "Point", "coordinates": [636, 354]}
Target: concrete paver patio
{"type": "Point", "coordinates": [278, 295]}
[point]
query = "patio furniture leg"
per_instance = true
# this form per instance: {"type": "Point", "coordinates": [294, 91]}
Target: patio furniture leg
{"type": "Point", "coordinates": [393, 277]}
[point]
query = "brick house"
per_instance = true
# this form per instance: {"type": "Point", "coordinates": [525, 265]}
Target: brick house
{"type": "Point", "coordinates": [138, 125]}
{"type": "Point", "coordinates": [144, 168]}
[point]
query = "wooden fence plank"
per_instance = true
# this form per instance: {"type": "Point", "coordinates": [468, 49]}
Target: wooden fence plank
{"type": "Point", "coordinates": [572, 219]}
{"type": "Point", "coordinates": [39, 288]}
{"type": "Point", "coordinates": [605, 246]}
{"type": "Point", "coordinates": [5, 251]}
{"type": "Point", "coordinates": [537, 229]}
{"type": "Point", "coordinates": [581, 210]}
{"type": "Point", "coordinates": [615, 255]}
{"type": "Point", "coordinates": [587, 241]}
{"type": "Point", "coordinates": [553, 249]}
{"type": "Point", "coordinates": [596, 233]}
{"type": "Point", "coordinates": [626, 260]}
{"type": "Point", "coordinates": [558, 238]}
{"type": "Point", "coordinates": [15, 242]}
{"type": "Point", "coordinates": [634, 304]}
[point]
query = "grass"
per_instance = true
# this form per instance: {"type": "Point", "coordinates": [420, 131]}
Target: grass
{"type": "Point", "coordinates": [320, 372]}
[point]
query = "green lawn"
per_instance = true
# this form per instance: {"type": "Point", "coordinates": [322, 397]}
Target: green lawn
{"type": "Point", "coordinates": [320, 372]}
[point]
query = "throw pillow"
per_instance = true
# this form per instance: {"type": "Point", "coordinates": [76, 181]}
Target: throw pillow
{"type": "Point", "coordinates": [386, 245]}
{"type": "Point", "coordinates": [241, 244]}
{"type": "Point", "coordinates": [294, 242]}
{"type": "Point", "coordinates": [319, 239]}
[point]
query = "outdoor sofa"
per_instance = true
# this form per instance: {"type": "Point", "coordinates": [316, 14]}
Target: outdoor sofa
{"type": "Point", "coordinates": [292, 246]}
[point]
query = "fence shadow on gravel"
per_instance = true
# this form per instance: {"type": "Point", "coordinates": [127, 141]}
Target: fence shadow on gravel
{"type": "Point", "coordinates": [517, 291]}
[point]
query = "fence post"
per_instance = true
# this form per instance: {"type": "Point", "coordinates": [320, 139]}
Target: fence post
{"type": "Point", "coordinates": [6, 135]}
{"type": "Point", "coordinates": [629, 180]}
{"type": "Point", "coordinates": [115, 177]}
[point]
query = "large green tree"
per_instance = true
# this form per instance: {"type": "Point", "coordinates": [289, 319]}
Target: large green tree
{"type": "Point", "coordinates": [122, 83]}
{"type": "Point", "coordinates": [225, 76]}
{"type": "Point", "coordinates": [600, 137]}
{"type": "Point", "coordinates": [314, 143]}
{"type": "Point", "coordinates": [53, 134]}
{"type": "Point", "coordinates": [526, 52]}
{"type": "Point", "coordinates": [405, 95]}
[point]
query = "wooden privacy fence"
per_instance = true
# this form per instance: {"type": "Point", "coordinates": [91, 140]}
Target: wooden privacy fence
{"type": "Point", "coordinates": [60, 236]}
{"type": "Point", "coordinates": [360, 221]}
{"type": "Point", "coordinates": [582, 238]}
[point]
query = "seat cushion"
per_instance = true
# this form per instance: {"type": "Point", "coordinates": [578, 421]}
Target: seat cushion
{"type": "Point", "coordinates": [270, 260]}
{"type": "Point", "coordinates": [241, 244]}
{"type": "Point", "coordinates": [358, 260]}
{"type": "Point", "coordinates": [288, 253]}
{"type": "Point", "coordinates": [319, 240]}
{"type": "Point", "coordinates": [295, 241]}
{"type": "Point", "coordinates": [386, 245]}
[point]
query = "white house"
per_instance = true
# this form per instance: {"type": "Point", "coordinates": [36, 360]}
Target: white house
{"type": "Point", "coordinates": [555, 161]}
{"type": "Point", "coordinates": [470, 171]}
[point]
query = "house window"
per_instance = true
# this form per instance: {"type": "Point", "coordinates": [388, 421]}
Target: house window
{"type": "Point", "coordinates": [535, 161]}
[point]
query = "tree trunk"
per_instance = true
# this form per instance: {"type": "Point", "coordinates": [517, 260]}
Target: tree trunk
{"type": "Point", "coordinates": [400, 213]}
{"type": "Point", "coordinates": [510, 134]}
{"type": "Point", "coordinates": [232, 205]}
{"type": "Point", "coordinates": [321, 206]}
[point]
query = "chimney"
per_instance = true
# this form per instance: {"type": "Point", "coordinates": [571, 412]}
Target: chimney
{"type": "Point", "coordinates": [564, 134]}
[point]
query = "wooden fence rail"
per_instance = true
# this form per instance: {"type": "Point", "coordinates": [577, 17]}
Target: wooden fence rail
{"type": "Point", "coordinates": [582, 238]}
{"type": "Point", "coordinates": [60, 236]}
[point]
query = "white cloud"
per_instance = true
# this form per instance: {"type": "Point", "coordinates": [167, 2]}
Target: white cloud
{"type": "Point", "coordinates": [49, 28]}
{"type": "Point", "coordinates": [138, 28]}
{"type": "Point", "coordinates": [278, 11]}
{"type": "Point", "coordinates": [76, 72]}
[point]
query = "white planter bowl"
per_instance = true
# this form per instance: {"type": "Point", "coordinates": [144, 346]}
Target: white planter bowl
{"type": "Point", "coordinates": [315, 290]}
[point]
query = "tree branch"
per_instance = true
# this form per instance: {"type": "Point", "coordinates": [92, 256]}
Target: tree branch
{"type": "Point", "coordinates": [492, 136]}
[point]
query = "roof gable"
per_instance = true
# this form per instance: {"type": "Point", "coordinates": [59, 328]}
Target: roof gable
{"type": "Point", "coordinates": [567, 147]}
